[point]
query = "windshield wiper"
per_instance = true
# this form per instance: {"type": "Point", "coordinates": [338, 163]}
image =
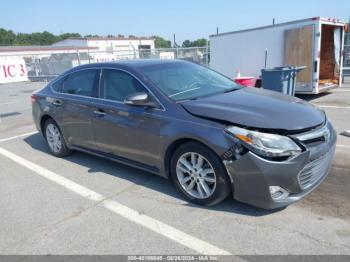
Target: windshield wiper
{"type": "Point", "coordinates": [231, 90]}
{"type": "Point", "coordinates": [184, 91]}
{"type": "Point", "coordinates": [187, 99]}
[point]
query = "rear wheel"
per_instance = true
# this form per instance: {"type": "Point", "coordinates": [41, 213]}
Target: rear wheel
{"type": "Point", "coordinates": [199, 174]}
{"type": "Point", "coordinates": [55, 140]}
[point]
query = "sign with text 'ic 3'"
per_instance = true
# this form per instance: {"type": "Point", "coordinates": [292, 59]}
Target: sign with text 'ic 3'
{"type": "Point", "coordinates": [13, 70]}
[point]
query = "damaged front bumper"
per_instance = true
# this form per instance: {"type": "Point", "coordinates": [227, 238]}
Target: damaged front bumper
{"type": "Point", "coordinates": [274, 184]}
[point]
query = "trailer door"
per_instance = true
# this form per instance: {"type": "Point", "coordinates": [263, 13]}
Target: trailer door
{"type": "Point", "coordinates": [298, 51]}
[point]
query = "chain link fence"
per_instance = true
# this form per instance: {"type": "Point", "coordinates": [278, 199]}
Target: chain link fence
{"type": "Point", "coordinates": [47, 65]}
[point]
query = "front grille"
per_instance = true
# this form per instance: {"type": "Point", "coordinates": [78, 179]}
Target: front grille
{"type": "Point", "coordinates": [316, 136]}
{"type": "Point", "coordinates": [315, 170]}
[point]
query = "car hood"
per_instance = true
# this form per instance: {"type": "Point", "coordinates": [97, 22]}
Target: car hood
{"type": "Point", "coordinates": [257, 108]}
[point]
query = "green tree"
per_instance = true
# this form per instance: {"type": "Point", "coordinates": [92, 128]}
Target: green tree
{"type": "Point", "coordinates": [161, 42]}
{"type": "Point", "coordinates": [196, 43]}
{"type": "Point", "coordinates": [186, 43]}
{"type": "Point", "coordinates": [200, 42]}
{"type": "Point", "coordinates": [7, 37]}
{"type": "Point", "coordinates": [46, 38]}
{"type": "Point", "coordinates": [90, 36]}
{"type": "Point", "coordinates": [69, 35]}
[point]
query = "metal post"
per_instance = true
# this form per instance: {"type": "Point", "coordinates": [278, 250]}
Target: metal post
{"type": "Point", "coordinates": [207, 54]}
{"type": "Point", "coordinates": [89, 55]}
{"type": "Point", "coordinates": [78, 55]}
{"type": "Point", "coordinates": [265, 58]}
{"type": "Point", "coordinates": [36, 66]}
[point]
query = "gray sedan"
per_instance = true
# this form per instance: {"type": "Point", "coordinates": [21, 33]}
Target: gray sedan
{"type": "Point", "coordinates": [186, 122]}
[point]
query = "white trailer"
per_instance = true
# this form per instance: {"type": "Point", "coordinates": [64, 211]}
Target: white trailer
{"type": "Point", "coordinates": [317, 43]}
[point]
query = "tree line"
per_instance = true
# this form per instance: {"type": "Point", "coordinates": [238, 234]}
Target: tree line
{"type": "Point", "coordinates": [10, 38]}
{"type": "Point", "coordinates": [162, 43]}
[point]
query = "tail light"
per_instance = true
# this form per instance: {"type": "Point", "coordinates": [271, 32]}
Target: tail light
{"type": "Point", "coordinates": [34, 98]}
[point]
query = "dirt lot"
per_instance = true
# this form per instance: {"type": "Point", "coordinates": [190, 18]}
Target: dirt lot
{"type": "Point", "coordinates": [86, 205]}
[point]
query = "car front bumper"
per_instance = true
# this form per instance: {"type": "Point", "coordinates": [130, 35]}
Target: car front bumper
{"type": "Point", "coordinates": [253, 175]}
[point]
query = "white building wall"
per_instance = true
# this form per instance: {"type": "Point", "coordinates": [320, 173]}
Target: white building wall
{"type": "Point", "coordinates": [120, 48]}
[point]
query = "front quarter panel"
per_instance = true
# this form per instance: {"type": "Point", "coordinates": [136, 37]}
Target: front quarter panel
{"type": "Point", "coordinates": [206, 132]}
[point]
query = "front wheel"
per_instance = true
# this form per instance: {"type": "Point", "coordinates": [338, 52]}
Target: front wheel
{"type": "Point", "coordinates": [199, 174]}
{"type": "Point", "coordinates": [55, 140]}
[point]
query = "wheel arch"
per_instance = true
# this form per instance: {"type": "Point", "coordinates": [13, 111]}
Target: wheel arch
{"type": "Point", "coordinates": [173, 146]}
{"type": "Point", "coordinates": [43, 120]}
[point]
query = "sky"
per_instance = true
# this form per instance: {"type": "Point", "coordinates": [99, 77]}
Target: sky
{"type": "Point", "coordinates": [191, 19]}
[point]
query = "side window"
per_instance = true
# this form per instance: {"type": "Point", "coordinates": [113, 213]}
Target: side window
{"type": "Point", "coordinates": [117, 85]}
{"type": "Point", "coordinates": [56, 86]}
{"type": "Point", "coordinates": [80, 83]}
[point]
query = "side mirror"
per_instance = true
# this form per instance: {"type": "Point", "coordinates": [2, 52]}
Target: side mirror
{"type": "Point", "coordinates": [139, 99]}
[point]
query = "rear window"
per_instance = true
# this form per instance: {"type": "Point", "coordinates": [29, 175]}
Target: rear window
{"type": "Point", "coordinates": [57, 84]}
{"type": "Point", "coordinates": [80, 83]}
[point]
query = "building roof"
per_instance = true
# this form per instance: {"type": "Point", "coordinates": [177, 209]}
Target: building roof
{"type": "Point", "coordinates": [7, 49]}
{"type": "Point", "coordinates": [109, 38]}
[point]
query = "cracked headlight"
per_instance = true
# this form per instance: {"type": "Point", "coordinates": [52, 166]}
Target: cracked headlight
{"type": "Point", "coordinates": [268, 145]}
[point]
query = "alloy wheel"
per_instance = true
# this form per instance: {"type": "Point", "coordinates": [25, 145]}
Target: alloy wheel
{"type": "Point", "coordinates": [53, 137]}
{"type": "Point", "coordinates": [196, 175]}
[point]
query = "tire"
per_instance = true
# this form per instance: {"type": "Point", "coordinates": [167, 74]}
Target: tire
{"type": "Point", "coordinates": [54, 139]}
{"type": "Point", "coordinates": [214, 192]}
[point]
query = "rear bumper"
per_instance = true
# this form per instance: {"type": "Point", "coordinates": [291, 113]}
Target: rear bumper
{"type": "Point", "coordinates": [36, 114]}
{"type": "Point", "coordinates": [253, 175]}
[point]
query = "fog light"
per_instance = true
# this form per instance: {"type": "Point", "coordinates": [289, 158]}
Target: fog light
{"type": "Point", "coordinates": [278, 193]}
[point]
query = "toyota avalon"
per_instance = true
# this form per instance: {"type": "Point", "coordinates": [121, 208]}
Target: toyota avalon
{"type": "Point", "coordinates": [186, 122]}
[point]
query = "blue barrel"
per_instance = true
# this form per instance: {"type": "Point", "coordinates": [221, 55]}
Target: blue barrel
{"type": "Point", "coordinates": [281, 79]}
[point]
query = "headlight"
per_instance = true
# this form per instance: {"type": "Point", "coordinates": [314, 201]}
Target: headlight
{"type": "Point", "coordinates": [264, 144]}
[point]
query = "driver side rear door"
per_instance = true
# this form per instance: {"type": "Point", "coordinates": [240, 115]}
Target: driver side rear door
{"type": "Point", "coordinates": [72, 107]}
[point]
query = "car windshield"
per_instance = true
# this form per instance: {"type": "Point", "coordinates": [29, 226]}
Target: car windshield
{"type": "Point", "coordinates": [184, 80]}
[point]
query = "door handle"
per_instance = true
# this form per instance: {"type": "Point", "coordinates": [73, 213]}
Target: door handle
{"type": "Point", "coordinates": [99, 113]}
{"type": "Point", "coordinates": [57, 102]}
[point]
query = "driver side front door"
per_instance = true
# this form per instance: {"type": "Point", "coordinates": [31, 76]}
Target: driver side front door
{"type": "Point", "coordinates": [128, 132]}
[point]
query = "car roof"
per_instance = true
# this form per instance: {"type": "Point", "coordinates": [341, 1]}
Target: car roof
{"type": "Point", "coordinates": [137, 63]}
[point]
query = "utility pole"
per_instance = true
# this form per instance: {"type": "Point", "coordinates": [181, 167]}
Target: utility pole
{"type": "Point", "coordinates": [273, 21]}
{"type": "Point", "coordinates": [174, 45]}
{"type": "Point", "coordinates": [217, 30]}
